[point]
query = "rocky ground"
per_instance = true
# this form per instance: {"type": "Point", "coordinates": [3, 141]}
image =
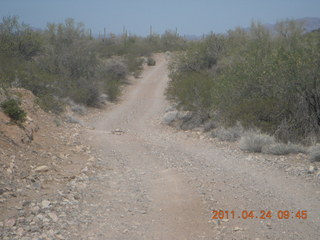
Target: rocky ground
{"type": "Point", "coordinates": [123, 174]}
{"type": "Point", "coordinates": [42, 166]}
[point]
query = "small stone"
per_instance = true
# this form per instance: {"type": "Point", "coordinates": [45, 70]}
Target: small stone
{"type": "Point", "coordinates": [43, 168]}
{"type": "Point", "coordinates": [84, 170]}
{"type": "Point", "coordinates": [20, 231]}
{"type": "Point", "coordinates": [318, 174]}
{"type": "Point", "coordinates": [50, 232]}
{"type": "Point", "coordinates": [236, 229]}
{"type": "Point", "coordinates": [311, 169]}
{"type": "Point", "coordinates": [35, 209]}
{"type": "Point", "coordinates": [10, 223]}
{"type": "Point", "coordinates": [53, 216]}
{"type": "Point", "coordinates": [58, 236]}
{"type": "Point", "coordinates": [45, 203]}
{"type": "Point", "coordinates": [26, 203]}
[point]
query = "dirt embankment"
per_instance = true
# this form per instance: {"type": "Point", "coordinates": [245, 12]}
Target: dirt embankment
{"type": "Point", "coordinates": [38, 160]}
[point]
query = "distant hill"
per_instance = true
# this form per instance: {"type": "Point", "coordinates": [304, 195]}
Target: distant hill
{"type": "Point", "coordinates": [310, 24]}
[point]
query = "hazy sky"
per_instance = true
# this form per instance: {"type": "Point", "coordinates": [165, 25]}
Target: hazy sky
{"type": "Point", "coordinates": [189, 16]}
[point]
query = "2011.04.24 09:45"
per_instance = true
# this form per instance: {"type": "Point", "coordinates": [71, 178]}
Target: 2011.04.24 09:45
{"type": "Point", "coordinates": [262, 214]}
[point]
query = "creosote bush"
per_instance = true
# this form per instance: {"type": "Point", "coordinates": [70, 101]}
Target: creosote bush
{"type": "Point", "coordinates": [12, 108]}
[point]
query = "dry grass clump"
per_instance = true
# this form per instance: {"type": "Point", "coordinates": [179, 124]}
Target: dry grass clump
{"type": "Point", "coordinates": [228, 134]}
{"type": "Point", "coordinates": [314, 153]}
{"type": "Point", "coordinates": [283, 149]}
{"type": "Point", "coordinates": [254, 142]}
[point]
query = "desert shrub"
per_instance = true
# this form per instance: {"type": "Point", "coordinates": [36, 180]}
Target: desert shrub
{"type": "Point", "coordinates": [254, 142]}
{"type": "Point", "coordinates": [262, 79]}
{"type": "Point", "coordinates": [72, 119]}
{"type": "Point", "coordinates": [87, 92]}
{"type": "Point", "coordinates": [19, 40]}
{"type": "Point", "coordinates": [113, 74]}
{"type": "Point", "coordinates": [192, 91]}
{"type": "Point", "coordinates": [79, 109]}
{"type": "Point", "coordinates": [283, 149]}
{"type": "Point", "coordinates": [113, 89]}
{"type": "Point", "coordinates": [12, 108]}
{"type": "Point", "coordinates": [64, 60]}
{"type": "Point", "coordinates": [314, 153]}
{"type": "Point", "coordinates": [134, 64]}
{"type": "Point", "coordinates": [171, 41]}
{"type": "Point", "coordinates": [209, 125]}
{"type": "Point", "coordinates": [170, 117]}
{"type": "Point", "coordinates": [116, 69]}
{"type": "Point", "coordinates": [231, 134]}
{"type": "Point", "coordinates": [50, 103]}
{"type": "Point", "coordinates": [151, 61]}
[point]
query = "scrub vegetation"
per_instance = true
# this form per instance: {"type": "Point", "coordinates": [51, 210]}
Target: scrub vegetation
{"type": "Point", "coordinates": [64, 61]}
{"type": "Point", "coordinates": [266, 80]}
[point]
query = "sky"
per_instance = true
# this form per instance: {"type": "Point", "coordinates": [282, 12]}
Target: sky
{"type": "Point", "coordinates": [189, 17]}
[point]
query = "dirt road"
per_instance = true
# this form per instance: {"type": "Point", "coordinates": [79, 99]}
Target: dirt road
{"type": "Point", "coordinates": [154, 182]}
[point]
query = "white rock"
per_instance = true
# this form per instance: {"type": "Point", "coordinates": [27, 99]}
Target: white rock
{"type": "Point", "coordinates": [236, 229]}
{"type": "Point", "coordinates": [53, 216]}
{"type": "Point", "coordinates": [20, 231]}
{"type": "Point", "coordinates": [311, 169]}
{"type": "Point", "coordinates": [43, 168]}
{"type": "Point", "coordinates": [10, 222]}
{"type": "Point", "coordinates": [45, 203]}
{"type": "Point", "coordinates": [35, 209]}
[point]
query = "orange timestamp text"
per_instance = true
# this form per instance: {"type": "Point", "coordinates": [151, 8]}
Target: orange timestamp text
{"type": "Point", "coordinates": [262, 214]}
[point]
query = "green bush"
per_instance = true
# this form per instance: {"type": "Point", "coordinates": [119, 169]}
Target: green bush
{"type": "Point", "coordinates": [50, 103]}
{"type": "Point", "coordinates": [192, 91]}
{"type": "Point", "coordinates": [65, 61]}
{"type": "Point", "coordinates": [134, 65]}
{"type": "Point", "coordinates": [12, 108]}
{"type": "Point", "coordinates": [314, 153]}
{"type": "Point", "coordinates": [151, 61]}
{"type": "Point", "coordinates": [112, 89]}
{"type": "Point", "coordinates": [262, 79]}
